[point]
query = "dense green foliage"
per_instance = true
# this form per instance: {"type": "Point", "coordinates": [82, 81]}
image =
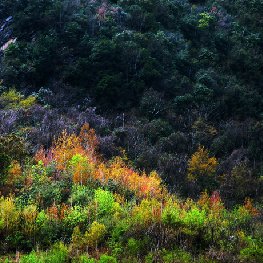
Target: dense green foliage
{"type": "Point", "coordinates": [206, 55]}
{"type": "Point", "coordinates": [181, 73]}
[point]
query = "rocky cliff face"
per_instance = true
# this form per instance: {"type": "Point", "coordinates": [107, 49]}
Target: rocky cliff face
{"type": "Point", "coordinates": [6, 31]}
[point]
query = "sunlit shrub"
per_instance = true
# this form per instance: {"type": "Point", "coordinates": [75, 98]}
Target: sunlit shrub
{"type": "Point", "coordinates": [104, 200]}
{"type": "Point", "coordinates": [205, 20]}
{"type": "Point", "coordinates": [148, 211]}
{"type": "Point", "coordinates": [176, 256]}
{"type": "Point", "coordinates": [13, 99]}
{"type": "Point", "coordinates": [30, 215]}
{"type": "Point", "coordinates": [82, 169]}
{"type": "Point", "coordinates": [83, 259]}
{"type": "Point", "coordinates": [107, 259]}
{"type": "Point", "coordinates": [172, 214]}
{"type": "Point", "coordinates": [95, 234]}
{"type": "Point", "coordinates": [9, 214]}
{"type": "Point", "coordinates": [194, 220]}
{"type": "Point", "coordinates": [76, 216]}
{"type": "Point", "coordinates": [90, 239]}
{"type": "Point", "coordinates": [58, 254]}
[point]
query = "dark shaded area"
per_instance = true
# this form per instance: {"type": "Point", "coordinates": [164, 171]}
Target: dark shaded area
{"type": "Point", "coordinates": [167, 76]}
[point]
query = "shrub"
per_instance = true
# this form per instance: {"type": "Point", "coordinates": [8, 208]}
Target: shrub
{"type": "Point", "coordinates": [104, 200]}
{"type": "Point", "coordinates": [31, 258]}
{"type": "Point", "coordinates": [194, 219]}
{"type": "Point", "coordinates": [133, 246]}
{"type": "Point", "coordinates": [13, 99]}
{"type": "Point", "coordinates": [81, 195]}
{"type": "Point", "coordinates": [81, 169]}
{"type": "Point", "coordinates": [176, 256]}
{"type": "Point", "coordinates": [9, 215]}
{"type": "Point", "coordinates": [95, 234]}
{"type": "Point", "coordinates": [172, 214]}
{"type": "Point", "coordinates": [204, 20]}
{"type": "Point", "coordinates": [107, 259]}
{"type": "Point", "coordinates": [76, 216]}
{"type": "Point", "coordinates": [58, 254]}
{"type": "Point", "coordinates": [202, 170]}
{"type": "Point", "coordinates": [30, 214]}
{"type": "Point", "coordinates": [253, 253]}
{"type": "Point", "coordinates": [83, 259]}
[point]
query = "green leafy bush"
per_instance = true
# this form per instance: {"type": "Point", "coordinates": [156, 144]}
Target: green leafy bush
{"type": "Point", "coordinates": [12, 99]}
{"type": "Point", "coordinates": [104, 200]}
{"type": "Point", "coordinates": [107, 259]}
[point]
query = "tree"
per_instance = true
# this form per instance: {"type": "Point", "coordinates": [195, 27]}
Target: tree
{"type": "Point", "coordinates": [202, 169]}
{"type": "Point", "coordinates": [12, 151]}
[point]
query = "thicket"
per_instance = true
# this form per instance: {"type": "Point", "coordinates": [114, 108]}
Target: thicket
{"type": "Point", "coordinates": [70, 205]}
{"type": "Point", "coordinates": [167, 77]}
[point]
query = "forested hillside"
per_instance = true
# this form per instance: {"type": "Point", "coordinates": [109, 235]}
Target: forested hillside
{"type": "Point", "coordinates": [131, 131]}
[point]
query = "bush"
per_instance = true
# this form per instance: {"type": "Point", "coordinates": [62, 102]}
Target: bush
{"type": "Point", "coordinates": [76, 216]}
{"type": "Point", "coordinates": [195, 219]}
{"type": "Point", "coordinates": [95, 234]}
{"type": "Point", "coordinates": [12, 99]}
{"type": "Point", "coordinates": [81, 195]}
{"type": "Point", "coordinates": [176, 256]}
{"type": "Point", "coordinates": [104, 200]}
{"type": "Point", "coordinates": [253, 253]}
{"type": "Point", "coordinates": [58, 254]}
{"type": "Point", "coordinates": [107, 259]}
{"type": "Point", "coordinates": [83, 259]}
{"type": "Point", "coordinates": [172, 215]}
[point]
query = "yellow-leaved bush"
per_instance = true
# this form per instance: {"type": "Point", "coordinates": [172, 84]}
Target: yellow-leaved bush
{"type": "Point", "coordinates": [13, 99]}
{"type": "Point", "coordinates": [201, 165]}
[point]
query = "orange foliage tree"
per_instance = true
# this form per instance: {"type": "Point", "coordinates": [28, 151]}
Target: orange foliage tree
{"type": "Point", "coordinates": [14, 173]}
{"type": "Point", "coordinates": [77, 155]}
